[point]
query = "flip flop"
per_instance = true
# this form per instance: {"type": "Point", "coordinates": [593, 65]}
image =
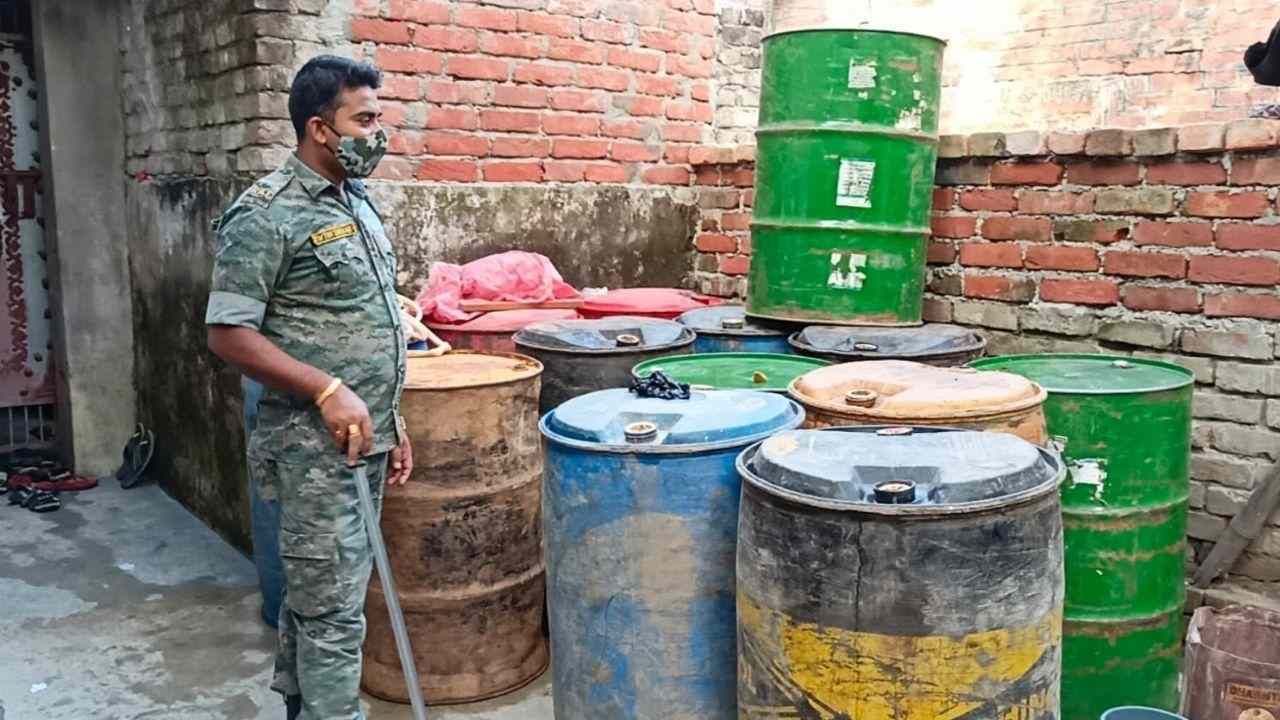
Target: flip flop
{"type": "Point", "coordinates": [137, 456]}
{"type": "Point", "coordinates": [20, 496]}
{"type": "Point", "coordinates": [43, 502]}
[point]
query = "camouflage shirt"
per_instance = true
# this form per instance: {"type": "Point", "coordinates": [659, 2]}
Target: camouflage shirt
{"type": "Point", "coordinates": [313, 271]}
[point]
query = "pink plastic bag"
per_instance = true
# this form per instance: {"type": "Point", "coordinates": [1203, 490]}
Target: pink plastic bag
{"type": "Point", "coordinates": [513, 276]}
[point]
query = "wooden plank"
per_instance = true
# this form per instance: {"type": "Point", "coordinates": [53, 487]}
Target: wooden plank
{"type": "Point", "coordinates": [1243, 530]}
{"type": "Point", "coordinates": [496, 305]}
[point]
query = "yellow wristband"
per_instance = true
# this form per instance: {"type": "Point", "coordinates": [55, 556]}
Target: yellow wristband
{"type": "Point", "coordinates": [333, 387]}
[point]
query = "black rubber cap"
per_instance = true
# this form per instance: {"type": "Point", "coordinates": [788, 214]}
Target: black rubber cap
{"type": "Point", "coordinates": [895, 492]}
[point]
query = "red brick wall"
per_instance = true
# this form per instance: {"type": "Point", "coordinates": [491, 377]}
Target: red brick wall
{"type": "Point", "coordinates": [542, 90]}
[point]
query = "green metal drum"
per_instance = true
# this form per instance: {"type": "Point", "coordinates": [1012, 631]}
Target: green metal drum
{"type": "Point", "coordinates": [1126, 425]}
{"type": "Point", "coordinates": [771, 372]}
{"type": "Point", "coordinates": [846, 148]}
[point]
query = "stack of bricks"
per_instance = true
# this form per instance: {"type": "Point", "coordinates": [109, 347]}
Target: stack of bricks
{"type": "Point", "coordinates": [737, 72]}
{"type": "Point", "coordinates": [542, 90]}
{"type": "Point", "coordinates": [206, 83]}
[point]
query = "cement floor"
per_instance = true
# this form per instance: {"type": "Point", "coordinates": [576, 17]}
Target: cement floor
{"type": "Point", "coordinates": [123, 606]}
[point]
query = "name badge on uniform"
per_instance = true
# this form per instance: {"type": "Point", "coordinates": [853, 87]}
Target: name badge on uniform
{"type": "Point", "coordinates": [330, 234]}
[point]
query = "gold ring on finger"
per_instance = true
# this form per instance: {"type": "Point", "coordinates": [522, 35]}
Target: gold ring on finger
{"type": "Point", "coordinates": [353, 429]}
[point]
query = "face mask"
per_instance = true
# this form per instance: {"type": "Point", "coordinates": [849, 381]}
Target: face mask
{"type": "Point", "coordinates": [359, 156]}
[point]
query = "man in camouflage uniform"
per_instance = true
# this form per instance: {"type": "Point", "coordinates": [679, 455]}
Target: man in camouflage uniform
{"type": "Point", "coordinates": [304, 302]}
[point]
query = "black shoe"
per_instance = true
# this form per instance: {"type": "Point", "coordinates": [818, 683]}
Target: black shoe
{"type": "Point", "coordinates": [1263, 59]}
{"type": "Point", "coordinates": [292, 707]}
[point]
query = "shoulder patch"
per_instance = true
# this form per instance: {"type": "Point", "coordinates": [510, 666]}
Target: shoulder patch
{"type": "Point", "coordinates": [265, 190]}
{"type": "Point", "coordinates": [324, 236]}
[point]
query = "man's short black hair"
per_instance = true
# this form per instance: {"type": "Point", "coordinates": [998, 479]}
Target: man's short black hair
{"type": "Point", "coordinates": [318, 84]}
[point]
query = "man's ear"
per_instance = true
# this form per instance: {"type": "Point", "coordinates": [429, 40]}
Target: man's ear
{"type": "Point", "coordinates": [317, 131]}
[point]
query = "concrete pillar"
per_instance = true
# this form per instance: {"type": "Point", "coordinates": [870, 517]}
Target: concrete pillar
{"type": "Point", "coordinates": [77, 58]}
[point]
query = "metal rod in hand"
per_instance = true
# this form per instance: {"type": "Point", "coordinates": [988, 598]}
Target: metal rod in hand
{"type": "Point", "coordinates": [389, 592]}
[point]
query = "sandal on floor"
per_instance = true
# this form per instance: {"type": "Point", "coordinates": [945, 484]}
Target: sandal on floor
{"type": "Point", "coordinates": [67, 481]}
{"type": "Point", "coordinates": [21, 495]}
{"type": "Point", "coordinates": [137, 455]}
{"type": "Point", "coordinates": [43, 502]}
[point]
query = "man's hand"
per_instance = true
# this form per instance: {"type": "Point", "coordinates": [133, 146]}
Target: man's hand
{"type": "Point", "coordinates": [342, 412]}
{"type": "Point", "coordinates": [401, 461]}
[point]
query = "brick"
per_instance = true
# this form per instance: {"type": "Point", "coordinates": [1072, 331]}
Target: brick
{"type": "Point", "coordinates": [1246, 441]}
{"type": "Point", "coordinates": [1241, 236]}
{"type": "Point", "coordinates": [664, 40]}
{"type": "Point", "coordinates": [1181, 234]}
{"type": "Point", "coordinates": [1080, 292]}
{"type": "Point", "coordinates": [577, 51]}
{"type": "Point", "coordinates": [1255, 170]}
{"type": "Point", "coordinates": [1060, 320]}
{"type": "Point", "coordinates": [1102, 172]}
{"type": "Point", "coordinates": [1186, 173]}
{"type": "Point", "coordinates": [965, 172]}
{"type": "Point", "coordinates": [578, 100]}
{"type": "Point", "coordinates": [1211, 467]}
{"type": "Point", "coordinates": [735, 264]}
{"type": "Point", "coordinates": [943, 199]}
{"type": "Point", "coordinates": [1252, 134]}
{"type": "Point", "coordinates": [1155, 142]}
{"type": "Point", "coordinates": [485, 18]}
{"type": "Point", "coordinates": [1202, 138]}
{"type": "Point", "coordinates": [677, 154]}
{"type": "Point", "coordinates": [657, 85]}
{"type": "Point", "coordinates": [541, 23]}
{"type": "Point", "coordinates": [941, 253]}
{"type": "Point", "coordinates": [1066, 143]}
{"type": "Point", "coordinates": [1258, 567]}
{"type": "Point", "coordinates": [1058, 257]}
{"type": "Point", "coordinates": [1141, 333]}
{"type": "Point", "coordinates": [603, 79]}
{"type": "Point", "coordinates": [579, 149]}
{"type": "Point", "coordinates": [450, 143]}
{"type": "Point", "coordinates": [400, 87]}
{"type": "Point", "coordinates": [1203, 526]}
{"type": "Point", "coordinates": [512, 171]}
{"type": "Point", "coordinates": [570, 124]}
{"type": "Point", "coordinates": [465, 93]}
{"type": "Point", "coordinates": [954, 227]}
{"type": "Point", "coordinates": [946, 282]}
{"type": "Point", "coordinates": [987, 314]}
{"type": "Point", "coordinates": [999, 287]}
{"type": "Point", "coordinates": [681, 132]}
{"type": "Point", "coordinates": [547, 74]}
{"type": "Point", "coordinates": [1050, 202]}
{"type": "Point", "coordinates": [937, 310]}
{"type": "Point", "coordinates": [1134, 201]}
{"type": "Point", "coordinates": [419, 11]}
{"type": "Point", "coordinates": [1248, 378]}
{"type": "Point", "coordinates": [1108, 143]}
{"type": "Point", "coordinates": [715, 243]}
{"type": "Point", "coordinates": [510, 121]}
{"type": "Point", "coordinates": [1144, 264]}
{"type": "Point", "coordinates": [1225, 343]}
{"type": "Point", "coordinates": [633, 129]}
{"type": "Point", "coordinates": [1026, 173]}
{"type": "Point", "coordinates": [446, 37]}
{"type": "Point", "coordinates": [1017, 228]}
{"type": "Point", "coordinates": [1007, 255]}
{"type": "Point", "coordinates": [392, 59]}
{"type": "Point", "coordinates": [646, 60]}
{"type": "Point", "coordinates": [996, 200]}
{"type": "Point", "coordinates": [1090, 231]}
{"type": "Point", "coordinates": [605, 31]}
{"type": "Point", "coordinates": [519, 96]}
{"type": "Point", "coordinates": [666, 175]}
{"type": "Point", "coordinates": [953, 146]}
{"type": "Point", "coordinates": [987, 145]}
{"type": "Point", "coordinates": [1195, 500]}
{"type": "Point", "coordinates": [694, 111]}
{"type": "Point", "coordinates": [688, 67]}
{"type": "Point", "coordinates": [1164, 299]}
{"type": "Point", "coordinates": [520, 147]}
{"type": "Point", "coordinates": [736, 221]}
{"type": "Point", "coordinates": [448, 170]}
{"type": "Point", "coordinates": [1234, 270]}
{"type": "Point", "coordinates": [1201, 367]}
{"type": "Point", "coordinates": [564, 171]}
{"type": "Point", "coordinates": [379, 31]}
{"type": "Point", "coordinates": [1025, 143]}
{"type": "Point", "coordinates": [1220, 406]}
{"type": "Point", "coordinates": [1252, 305]}
{"type": "Point", "coordinates": [479, 68]}
{"type": "Point", "coordinates": [1227, 205]}
{"type": "Point", "coordinates": [512, 46]}
{"type": "Point", "coordinates": [1273, 415]}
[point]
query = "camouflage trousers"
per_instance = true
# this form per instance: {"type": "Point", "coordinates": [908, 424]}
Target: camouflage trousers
{"type": "Point", "coordinates": [327, 564]}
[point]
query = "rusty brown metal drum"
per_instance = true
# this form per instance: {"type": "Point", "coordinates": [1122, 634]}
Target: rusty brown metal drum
{"type": "Point", "coordinates": [464, 534]}
{"type": "Point", "coordinates": [892, 392]}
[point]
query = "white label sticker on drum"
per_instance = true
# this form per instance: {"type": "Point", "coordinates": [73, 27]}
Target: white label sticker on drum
{"type": "Point", "coordinates": [853, 187]}
{"type": "Point", "coordinates": [861, 77]}
{"type": "Point", "coordinates": [846, 271]}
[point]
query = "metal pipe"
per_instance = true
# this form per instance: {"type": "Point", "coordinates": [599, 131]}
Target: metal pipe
{"type": "Point", "coordinates": [389, 591]}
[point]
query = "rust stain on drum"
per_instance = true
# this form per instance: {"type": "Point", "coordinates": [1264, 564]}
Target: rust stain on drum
{"type": "Point", "coordinates": [465, 533]}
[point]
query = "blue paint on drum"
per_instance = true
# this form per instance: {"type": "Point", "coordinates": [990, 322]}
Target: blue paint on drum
{"type": "Point", "coordinates": [264, 521]}
{"type": "Point", "coordinates": [715, 335]}
{"type": "Point", "coordinates": [641, 540]}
